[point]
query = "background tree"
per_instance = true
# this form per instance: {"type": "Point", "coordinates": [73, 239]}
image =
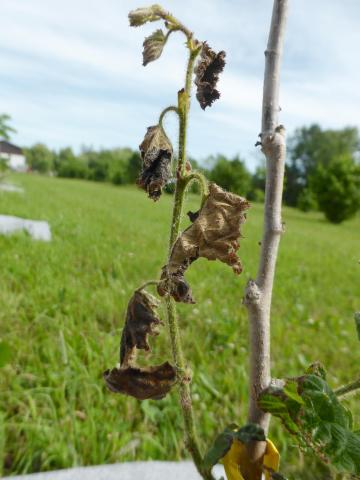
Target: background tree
{"type": "Point", "coordinates": [67, 164]}
{"type": "Point", "coordinates": [337, 188]}
{"type": "Point", "coordinates": [231, 175]}
{"type": "Point", "coordinates": [5, 128]}
{"type": "Point", "coordinates": [39, 158]}
{"type": "Point", "coordinates": [311, 147]}
{"type": "Point", "coordinates": [258, 180]}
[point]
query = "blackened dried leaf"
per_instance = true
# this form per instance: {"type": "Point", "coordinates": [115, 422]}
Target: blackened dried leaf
{"type": "Point", "coordinates": [207, 73]}
{"type": "Point", "coordinates": [156, 153]}
{"type": "Point", "coordinates": [141, 321]}
{"type": "Point", "coordinates": [175, 284]}
{"type": "Point", "coordinates": [214, 235]}
{"type": "Point", "coordinates": [153, 46]}
{"type": "Point", "coordinates": [142, 383]}
{"type": "Point", "coordinates": [142, 15]}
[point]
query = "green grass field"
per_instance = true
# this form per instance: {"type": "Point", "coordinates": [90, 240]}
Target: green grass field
{"type": "Point", "coordinates": [62, 307]}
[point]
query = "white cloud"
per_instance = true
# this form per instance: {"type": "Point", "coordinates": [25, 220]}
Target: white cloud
{"type": "Point", "coordinates": [72, 74]}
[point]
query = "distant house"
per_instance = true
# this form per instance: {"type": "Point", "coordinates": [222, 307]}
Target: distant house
{"type": "Point", "coordinates": [14, 155]}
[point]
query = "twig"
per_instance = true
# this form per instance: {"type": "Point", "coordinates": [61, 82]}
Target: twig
{"type": "Point", "coordinates": [258, 292]}
{"type": "Point", "coordinates": [349, 389]}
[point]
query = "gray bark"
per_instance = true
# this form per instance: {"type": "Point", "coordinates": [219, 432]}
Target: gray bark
{"type": "Point", "coordinates": [258, 292]}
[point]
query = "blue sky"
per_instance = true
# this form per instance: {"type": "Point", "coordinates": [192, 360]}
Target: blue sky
{"type": "Point", "coordinates": [71, 71]}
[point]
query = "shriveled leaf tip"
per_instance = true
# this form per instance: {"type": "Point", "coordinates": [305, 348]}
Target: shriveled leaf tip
{"type": "Point", "coordinates": [156, 153]}
{"type": "Point", "coordinates": [143, 15]}
{"type": "Point", "coordinates": [207, 72]}
{"type": "Point", "coordinates": [153, 46]}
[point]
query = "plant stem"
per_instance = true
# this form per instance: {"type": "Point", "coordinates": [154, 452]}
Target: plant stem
{"type": "Point", "coordinates": [350, 388]}
{"type": "Point", "coordinates": [201, 180]}
{"type": "Point", "coordinates": [258, 292]}
{"type": "Point", "coordinates": [180, 364]}
{"type": "Point", "coordinates": [172, 108]}
{"type": "Point", "coordinates": [146, 284]}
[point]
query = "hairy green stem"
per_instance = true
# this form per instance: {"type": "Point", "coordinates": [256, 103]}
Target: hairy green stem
{"type": "Point", "coordinates": [201, 180]}
{"type": "Point", "coordinates": [183, 376]}
{"type": "Point", "coordinates": [350, 388]}
{"type": "Point", "coordinates": [173, 23]}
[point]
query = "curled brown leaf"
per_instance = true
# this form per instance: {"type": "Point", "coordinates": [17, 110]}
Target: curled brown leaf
{"type": "Point", "coordinates": [156, 153]}
{"type": "Point", "coordinates": [142, 383]}
{"type": "Point", "coordinates": [141, 321]}
{"type": "Point", "coordinates": [214, 234]}
{"type": "Point", "coordinates": [207, 72]}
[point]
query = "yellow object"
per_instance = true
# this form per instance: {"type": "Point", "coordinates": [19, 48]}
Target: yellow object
{"type": "Point", "coordinates": [237, 456]}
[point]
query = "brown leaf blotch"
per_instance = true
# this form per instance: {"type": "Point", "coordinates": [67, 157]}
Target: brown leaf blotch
{"type": "Point", "coordinates": [207, 72]}
{"type": "Point", "coordinates": [156, 153]}
{"type": "Point", "coordinates": [142, 383]}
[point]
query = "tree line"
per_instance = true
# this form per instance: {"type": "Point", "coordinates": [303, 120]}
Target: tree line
{"type": "Point", "coordinates": [322, 170]}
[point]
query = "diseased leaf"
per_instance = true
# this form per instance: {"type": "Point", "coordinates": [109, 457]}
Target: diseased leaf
{"type": "Point", "coordinates": [141, 321]}
{"type": "Point", "coordinates": [5, 354]}
{"type": "Point", "coordinates": [357, 323]}
{"type": "Point", "coordinates": [319, 421]}
{"type": "Point", "coordinates": [156, 153]}
{"type": "Point", "coordinates": [207, 72]}
{"type": "Point", "coordinates": [153, 46]}
{"type": "Point", "coordinates": [142, 383]}
{"type": "Point", "coordinates": [143, 15]}
{"type": "Point", "coordinates": [213, 234]}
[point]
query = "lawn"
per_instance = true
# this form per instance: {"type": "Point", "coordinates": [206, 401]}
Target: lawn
{"type": "Point", "coordinates": [62, 308]}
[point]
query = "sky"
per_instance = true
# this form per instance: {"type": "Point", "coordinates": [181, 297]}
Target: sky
{"type": "Point", "coordinates": [71, 71]}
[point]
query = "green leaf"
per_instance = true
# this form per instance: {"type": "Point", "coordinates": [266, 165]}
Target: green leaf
{"type": "Point", "coordinates": [272, 403]}
{"type": "Point", "coordinates": [220, 447]}
{"type": "Point", "coordinates": [309, 408]}
{"type": "Point", "coordinates": [153, 46]}
{"type": "Point", "coordinates": [223, 442]}
{"type": "Point", "coordinates": [5, 353]}
{"type": "Point", "coordinates": [290, 391]}
{"type": "Point", "coordinates": [357, 323]}
{"type": "Point", "coordinates": [250, 432]}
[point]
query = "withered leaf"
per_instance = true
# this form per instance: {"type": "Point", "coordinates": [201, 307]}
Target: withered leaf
{"type": "Point", "coordinates": [156, 153]}
{"type": "Point", "coordinates": [142, 383]}
{"type": "Point", "coordinates": [207, 72]}
{"type": "Point", "coordinates": [153, 46]}
{"type": "Point", "coordinates": [141, 321]}
{"type": "Point", "coordinates": [142, 15]}
{"type": "Point", "coordinates": [214, 235]}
